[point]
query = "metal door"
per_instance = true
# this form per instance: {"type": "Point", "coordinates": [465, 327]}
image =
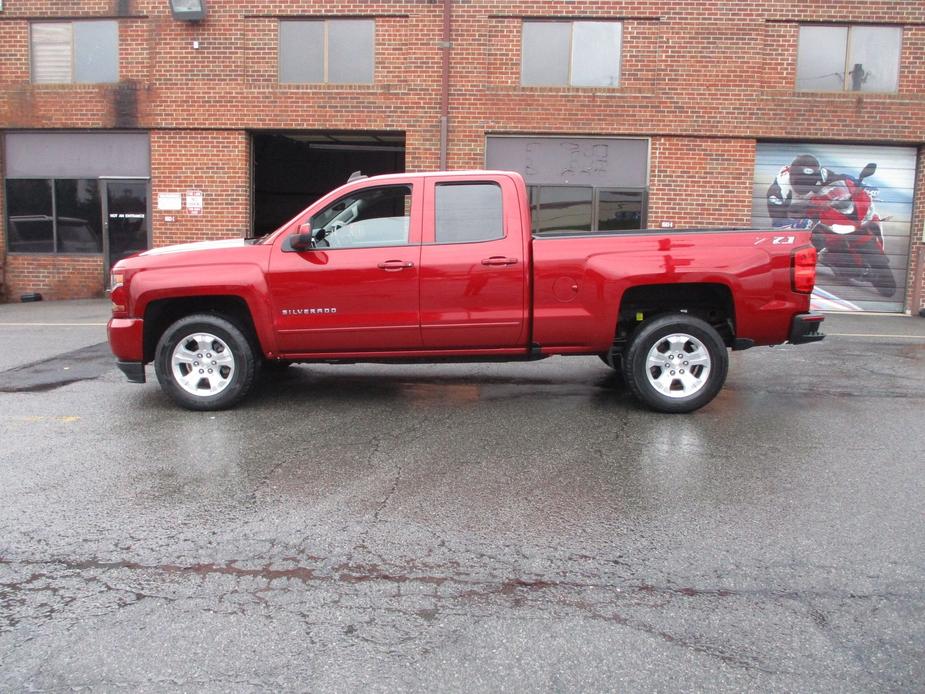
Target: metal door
{"type": "Point", "coordinates": [126, 218]}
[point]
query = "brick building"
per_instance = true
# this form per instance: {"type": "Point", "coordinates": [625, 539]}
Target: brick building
{"type": "Point", "coordinates": [124, 126]}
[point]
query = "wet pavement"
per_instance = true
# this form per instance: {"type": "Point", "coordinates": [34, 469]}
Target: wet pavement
{"type": "Point", "coordinates": [463, 527]}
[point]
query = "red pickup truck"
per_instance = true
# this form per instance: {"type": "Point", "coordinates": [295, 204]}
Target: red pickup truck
{"type": "Point", "coordinates": [445, 266]}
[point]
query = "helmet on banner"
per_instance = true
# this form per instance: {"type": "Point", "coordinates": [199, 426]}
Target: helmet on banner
{"type": "Point", "coordinates": [805, 174]}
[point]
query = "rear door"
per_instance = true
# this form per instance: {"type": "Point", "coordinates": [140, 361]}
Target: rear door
{"type": "Point", "coordinates": [473, 274]}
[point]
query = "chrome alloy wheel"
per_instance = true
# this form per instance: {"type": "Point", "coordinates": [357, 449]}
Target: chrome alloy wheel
{"type": "Point", "coordinates": [678, 365]}
{"type": "Point", "coordinates": [202, 364]}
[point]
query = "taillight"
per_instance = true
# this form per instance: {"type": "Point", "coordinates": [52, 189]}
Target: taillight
{"type": "Point", "coordinates": [803, 269]}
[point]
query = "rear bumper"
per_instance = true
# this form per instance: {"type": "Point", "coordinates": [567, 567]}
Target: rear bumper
{"type": "Point", "coordinates": [134, 370]}
{"type": "Point", "coordinates": [805, 328]}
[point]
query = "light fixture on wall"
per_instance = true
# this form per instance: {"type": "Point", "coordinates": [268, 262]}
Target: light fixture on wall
{"type": "Point", "coordinates": [188, 10]}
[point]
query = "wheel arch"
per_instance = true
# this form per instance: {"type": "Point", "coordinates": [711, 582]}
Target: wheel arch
{"type": "Point", "coordinates": [161, 313]}
{"type": "Point", "coordinates": [712, 302]}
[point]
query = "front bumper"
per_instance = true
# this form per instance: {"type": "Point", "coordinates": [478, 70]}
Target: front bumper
{"type": "Point", "coordinates": [134, 370]}
{"type": "Point", "coordinates": [126, 338]}
{"type": "Point", "coordinates": [805, 328]}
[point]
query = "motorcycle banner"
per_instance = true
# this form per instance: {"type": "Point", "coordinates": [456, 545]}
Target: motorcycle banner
{"type": "Point", "coordinates": [857, 200]}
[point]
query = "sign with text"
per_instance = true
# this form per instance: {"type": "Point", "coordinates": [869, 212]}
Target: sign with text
{"type": "Point", "coordinates": [595, 161]}
{"type": "Point", "coordinates": [194, 202]}
{"type": "Point", "coordinates": [169, 201]}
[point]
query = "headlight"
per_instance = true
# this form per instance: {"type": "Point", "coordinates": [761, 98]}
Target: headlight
{"type": "Point", "coordinates": [117, 293]}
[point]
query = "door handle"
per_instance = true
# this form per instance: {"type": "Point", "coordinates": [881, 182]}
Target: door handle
{"type": "Point", "coordinates": [395, 265]}
{"type": "Point", "coordinates": [499, 260]}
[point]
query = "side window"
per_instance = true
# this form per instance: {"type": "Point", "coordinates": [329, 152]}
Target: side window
{"type": "Point", "coordinates": [61, 215]}
{"type": "Point", "coordinates": [586, 209]}
{"type": "Point", "coordinates": [848, 58]}
{"type": "Point", "coordinates": [580, 54]}
{"type": "Point", "coordinates": [335, 51]}
{"type": "Point", "coordinates": [75, 52]}
{"type": "Point", "coordinates": [468, 212]}
{"type": "Point", "coordinates": [369, 218]}
{"type": "Point", "coordinates": [559, 208]}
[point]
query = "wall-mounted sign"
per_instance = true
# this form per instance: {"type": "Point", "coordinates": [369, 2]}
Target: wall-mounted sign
{"type": "Point", "coordinates": [194, 201]}
{"type": "Point", "coordinates": [597, 161]}
{"type": "Point", "coordinates": [170, 201]}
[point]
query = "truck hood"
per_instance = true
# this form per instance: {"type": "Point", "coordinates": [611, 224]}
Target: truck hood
{"type": "Point", "coordinates": [198, 246]}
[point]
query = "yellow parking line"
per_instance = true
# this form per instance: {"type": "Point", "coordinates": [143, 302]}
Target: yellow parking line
{"type": "Point", "coordinates": [67, 419]}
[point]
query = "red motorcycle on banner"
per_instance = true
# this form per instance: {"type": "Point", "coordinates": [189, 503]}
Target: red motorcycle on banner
{"type": "Point", "coordinates": [847, 231]}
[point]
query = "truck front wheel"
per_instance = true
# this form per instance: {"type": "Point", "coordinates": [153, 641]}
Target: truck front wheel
{"type": "Point", "coordinates": [205, 362]}
{"type": "Point", "coordinates": [675, 363]}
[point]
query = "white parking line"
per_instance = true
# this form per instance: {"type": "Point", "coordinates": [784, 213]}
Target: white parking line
{"type": "Point", "coordinates": [907, 337]}
{"type": "Point", "coordinates": [52, 325]}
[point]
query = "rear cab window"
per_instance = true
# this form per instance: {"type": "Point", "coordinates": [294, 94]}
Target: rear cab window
{"type": "Point", "coordinates": [468, 212]}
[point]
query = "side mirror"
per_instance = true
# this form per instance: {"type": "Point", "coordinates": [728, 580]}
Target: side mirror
{"type": "Point", "coordinates": [868, 170]}
{"type": "Point", "coordinates": [304, 240]}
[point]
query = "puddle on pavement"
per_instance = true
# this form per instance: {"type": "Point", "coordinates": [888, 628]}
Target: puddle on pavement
{"type": "Point", "coordinates": [84, 364]}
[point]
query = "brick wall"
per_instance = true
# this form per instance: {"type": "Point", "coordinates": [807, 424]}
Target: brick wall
{"type": "Point", "coordinates": [722, 170]}
{"type": "Point", "coordinates": [54, 276]}
{"type": "Point", "coordinates": [215, 162]}
{"type": "Point", "coordinates": [704, 80]}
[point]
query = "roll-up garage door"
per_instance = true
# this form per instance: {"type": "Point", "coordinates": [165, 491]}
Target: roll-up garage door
{"type": "Point", "coordinates": [858, 201]}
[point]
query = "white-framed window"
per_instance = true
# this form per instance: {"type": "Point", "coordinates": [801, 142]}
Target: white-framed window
{"type": "Point", "coordinates": [848, 58]}
{"type": "Point", "coordinates": [331, 51]}
{"type": "Point", "coordinates": [85, 51]}
{"type": "Point", "coordinates": [578, 54]}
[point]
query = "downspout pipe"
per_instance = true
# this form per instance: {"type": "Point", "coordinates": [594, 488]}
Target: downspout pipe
{"type": "Point", "coordinates": [445, 45]}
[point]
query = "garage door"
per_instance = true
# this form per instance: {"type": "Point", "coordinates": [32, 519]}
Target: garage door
{"type": "Point", "coordinates": [858, 201]}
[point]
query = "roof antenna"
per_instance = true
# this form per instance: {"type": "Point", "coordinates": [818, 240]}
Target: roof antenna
{"type": "Point", "coordinates": [356, 176]}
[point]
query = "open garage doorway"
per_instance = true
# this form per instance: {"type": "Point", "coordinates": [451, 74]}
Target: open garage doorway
{"type": "Point", "coordinates": [293, 169]}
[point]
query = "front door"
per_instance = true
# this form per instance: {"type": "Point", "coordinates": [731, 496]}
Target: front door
{"type": "Point", "coordinates": [358, 289]}
{"type": "Point", "coordinates": [125, 218]}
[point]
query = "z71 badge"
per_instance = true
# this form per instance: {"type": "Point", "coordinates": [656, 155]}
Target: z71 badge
{"type": "Point", "coordinates": [778, 240]}
{"type": "Point", "coordinates": [306, 311]}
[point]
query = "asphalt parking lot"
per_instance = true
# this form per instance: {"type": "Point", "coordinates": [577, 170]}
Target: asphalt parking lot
{"type": "Point", "coordinates": [463, 527]}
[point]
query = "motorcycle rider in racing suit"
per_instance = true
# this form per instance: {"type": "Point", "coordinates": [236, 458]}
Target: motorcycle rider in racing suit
{"type": "Point", "coordinates": [795, 188]}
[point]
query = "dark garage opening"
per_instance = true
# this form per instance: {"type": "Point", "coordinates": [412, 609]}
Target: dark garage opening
{"type": "Point", "coordinates": [293, 169]}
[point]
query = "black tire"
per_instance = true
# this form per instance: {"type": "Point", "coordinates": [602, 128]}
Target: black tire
{"type": "Point", "coordinates": [652, 333]}
{"type": "Point", "coordinates": [233, 351]}
{"type": "Point", "coordinates": [880, 275]}
{"type": "Point", "coordinates": [615, 366]}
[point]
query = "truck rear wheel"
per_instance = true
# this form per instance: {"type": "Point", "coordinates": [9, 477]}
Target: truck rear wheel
{"type": "Point", "coordinates": [205, 362]}
{"type": "Point", "coordinates": [675, 363]}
